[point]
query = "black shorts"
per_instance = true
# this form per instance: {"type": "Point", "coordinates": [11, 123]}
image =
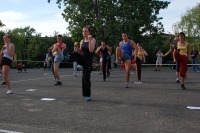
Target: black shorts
{"type": "Point", "coordinates": [6, 61]}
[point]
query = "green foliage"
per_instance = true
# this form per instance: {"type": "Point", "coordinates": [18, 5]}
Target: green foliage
{"type": "Point", "coordinates": [108, 18]}
{"type": "Point", "coordinates": [190, 22]}
{"type": "Point", "coordinates": [1, 24]}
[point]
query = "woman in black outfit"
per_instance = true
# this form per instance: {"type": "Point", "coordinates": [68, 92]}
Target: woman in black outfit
{"type": "Point", "coordinates": [104, 49]}
{"type": "Point", "coordinates": [84, 57]}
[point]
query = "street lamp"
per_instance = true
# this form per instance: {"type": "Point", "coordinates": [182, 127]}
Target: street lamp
{"type": "Point", "coordinates": [96, 8]}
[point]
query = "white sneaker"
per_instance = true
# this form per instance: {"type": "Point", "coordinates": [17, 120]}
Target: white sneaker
{"type": "Point", "coordinates": [138, 82]}
{"type": "Point", "coordinates": [126, 86]}
{"type": "Point", "coordinates": [9, 92]}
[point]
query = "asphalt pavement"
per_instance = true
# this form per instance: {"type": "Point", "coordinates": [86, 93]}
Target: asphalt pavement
{"type": "Point", "coordinates": [158, 105]}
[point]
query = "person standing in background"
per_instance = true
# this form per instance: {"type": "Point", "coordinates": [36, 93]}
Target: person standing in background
{"type": "Point", "coordinates": [75, 63]}
{"type": "Point", "coordinates": [140, 55]}
{"type": "Point", "coordinates": [57, 51]}
{"type": "Point", "coordinates": [194, 54]}
{"type": "Point", "coordinates": [173, 46]}
{"type": "Point", "coordinates": [159, 56]}
{"type": "Point", "coordinates": [7, 53]}
{"type": "Point", "coordinates": [104, 49]}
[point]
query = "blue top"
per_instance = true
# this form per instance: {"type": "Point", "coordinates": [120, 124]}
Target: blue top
{"type": "Point", "coordinates": [126, 48]}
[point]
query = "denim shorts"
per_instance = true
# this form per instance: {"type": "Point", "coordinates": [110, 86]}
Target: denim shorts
{"type": "Point", "coordinates": [58, 58]}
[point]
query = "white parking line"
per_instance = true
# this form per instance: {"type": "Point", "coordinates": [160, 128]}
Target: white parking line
{"type": "Point", "coordinates": [8, 131]}
{"type": "Point", "coordinates": [37, 78]}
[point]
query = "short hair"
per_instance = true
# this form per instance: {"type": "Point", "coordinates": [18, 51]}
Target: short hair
{"type": "Point", "coordinates": [124, 32]}
{"type": "Point", "coordinates": [6, 35]}
{"type": "Point", "coordinates": [181, 33]}
{"type": "Point", "coordinates": [59, 35]}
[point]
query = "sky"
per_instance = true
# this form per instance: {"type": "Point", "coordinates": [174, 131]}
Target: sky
{"type": "Point", "coordinates": [46, 17]}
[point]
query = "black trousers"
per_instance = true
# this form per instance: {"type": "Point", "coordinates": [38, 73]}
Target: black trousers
{"type": "Point", "coordinates": [139, 66]}
{"type": "Point", "coordinates": [104, 66]}
{"type": "Point", "coordinates": [86, 83]}
{"type": "Point", "coordinates": [109, 61]}
{"type": "Point", "coordinates": [87, 68]}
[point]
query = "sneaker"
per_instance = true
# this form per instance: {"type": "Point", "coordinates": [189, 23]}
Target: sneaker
{"type": "Point", "coordinates": [108, 73]}
{"type": "Point", "coordinates": [9, 92]}
{"type": "Point", "coordinates": [177, 81]}
{"type": "Point", "coordinates": [117, 62]}
{"type": "Point", "coordinates": [4, 83]}
{"type": "Point", "coordinates": [58, 83]}
{"type": "Point", "coordinates": [138, 82]}
{"type": "Point", "coordinates": [183, 87]}
{"type": "Point", "coordinates": [126, 86]}
{"type": "Point", "coordinates": [88, 99]}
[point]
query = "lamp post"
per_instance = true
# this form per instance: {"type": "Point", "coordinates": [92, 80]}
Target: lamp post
{"type": "Point", "coordinates": [96, 8]}
{"type": "Point", "coordinates": [26, 42]}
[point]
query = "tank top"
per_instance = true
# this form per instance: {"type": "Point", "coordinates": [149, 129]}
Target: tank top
{"type": "Point", "coordinates": [182, 49]}
{"type": "Point", "coordinates": [126, 48]}
{"type": "Point", "coordinates": [59, 45]}
{"type": "Point", "coordinates": [5, 53]}
{"type": "Point", "coordinates": [104, 52]}
{"type": "Point", "coordinates": [88, 56]}
{"type": "Point", "coordinates": [140, 54]}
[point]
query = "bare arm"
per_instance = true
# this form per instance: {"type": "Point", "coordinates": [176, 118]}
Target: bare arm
{"type": "Point", "coordinates": [145, 53]}
{"type": "Point", "coordinates": [92, 43]}
{"type": "Point", "coordinates": [11, 50]}
{"type": "Point", "coordinates": [168, 52]}
{"type": "Point", "coordinates": [98, 49]}
{"type": "Point", "coordinates": [109, 49]}
{"type": "Point", "coordinates": [188, 50]}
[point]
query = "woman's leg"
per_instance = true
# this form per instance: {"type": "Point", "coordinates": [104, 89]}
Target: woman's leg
{"type": "Point", "coordinates": [6, 70]}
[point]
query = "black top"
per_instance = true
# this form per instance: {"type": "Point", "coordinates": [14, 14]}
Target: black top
{"type": "Point", "coordinates": [104, 52]}
{"type": "Point", "coordinates": [195, 53]}
{"type": "Point", "coordinates": [88, 56]}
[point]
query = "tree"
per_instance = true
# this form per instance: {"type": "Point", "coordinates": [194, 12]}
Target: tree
{"type": "Point", "coordinates": [190, 22]}
{"type": "Point", "coordinates": [108, 18]}
{"type": "Point", "coordinates": [1, 24]}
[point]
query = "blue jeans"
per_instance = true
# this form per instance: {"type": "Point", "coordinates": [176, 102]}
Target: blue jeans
{"type": "Point", "coordinates": [194, 66]}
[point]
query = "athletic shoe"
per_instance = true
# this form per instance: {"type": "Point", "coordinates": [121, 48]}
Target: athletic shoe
{"type": "Point", "coordinates": [58, 83]}
{"type": "Point", "coordinates": [88, 99]}
{"type": "Point", "coordinates": [183, 87]}
{"type": "Point", "coordinates": [9, 92]}
{"type": "Point", "coordinates": [4, 83]}
{"type": "Point", "coordinates": [126, 86]}
{"type": "Point", "coordinates": [177, 81]}
{"type": "Point", "coordinates": [138, 82]}
{"type": "Point", "coordinates": [117, 62]}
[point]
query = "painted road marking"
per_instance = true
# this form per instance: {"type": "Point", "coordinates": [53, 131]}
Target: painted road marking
{"type": "Point", "coordinates": [8, 131]}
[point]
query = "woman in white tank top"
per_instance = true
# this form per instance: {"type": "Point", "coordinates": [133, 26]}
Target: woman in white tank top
{"type": "Point", "coordinates": [7, 53]}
